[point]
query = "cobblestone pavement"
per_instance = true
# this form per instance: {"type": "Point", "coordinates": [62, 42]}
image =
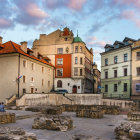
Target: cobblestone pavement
{"type": "Point", "coordinates": [100, 129]}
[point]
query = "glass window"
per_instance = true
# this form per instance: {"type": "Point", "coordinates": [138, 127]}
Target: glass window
{"type": "Point", "coordinates": [80, 48]}
{"type": "Point", "coordinates": [106, 74]}
{"type": "Point", "coordinates": [115, 59]}
{"type": "Point", "coordinates": [115, 87]}
{"type": "Point", "coordinates": [81, 60]}
{"type": "Point", "coordinates": [23, 79]}
{"type": "Point", "coordinates": [60, 50]}
{"type": "Point", "coordinates": [24, 63]}
{"type": "Point", "coordinates": [125, 57]}
{"type": "Point", "coordinates": [138, 87]}
{"type": "Point", "coordinates": [59, 72]}
{"type": "Point", "coordinates": [115, 73]}
{"type": "Point", "coordinates": [125, 86]}
{"type": "Point", "coordinates": [60, 61]}
{"type": "Point", "coordinates": [106, 61]}
{"type": "Point", "coordinates": [76, 60]}
{"type": "Point", "coordinates": [75, 71]}
{"type": "Point", "coordinates": [138, 71]}
{"type": "Point", "coordinates": [76, 49]}
{"type": "Point", "coordinates": [81, 72]}
{"type": "Point", "coordinates": [138, 55]}
{"type": "Point", "coordinates": [106, 88]}
{"type": "Point", "coordinates": [125, 71]}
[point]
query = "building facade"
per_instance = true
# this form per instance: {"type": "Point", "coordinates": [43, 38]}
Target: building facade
{"type": "Point", "coordinates": [116, 70]}
{"type": "Point", "coordinates": [23, 71]}
{"type": "Point", "coordinates": [96, 79]}
{"type": "Point", "coordinates": [72, 59]}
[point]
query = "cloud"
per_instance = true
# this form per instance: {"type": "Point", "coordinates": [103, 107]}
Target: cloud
{"type": "Point", "coordinates": [130, 15]}
{"type": "Point", "coordinates": [5, 23]}
{"type": "Point", "coordinates": [29, 13]}
{"type": "Point", "coordinates": [76, 4]}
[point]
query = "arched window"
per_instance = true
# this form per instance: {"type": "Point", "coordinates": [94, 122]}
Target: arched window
{"type": "Point", "coordinates": [59, 83]}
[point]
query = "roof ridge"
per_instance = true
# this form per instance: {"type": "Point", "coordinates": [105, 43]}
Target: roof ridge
{"type": "Point", "coordinates": [13, 46]}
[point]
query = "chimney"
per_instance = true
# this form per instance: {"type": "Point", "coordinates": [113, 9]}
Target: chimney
{"type": "Point", "coordinates": [1, 40]}
{"type": "Point", "coordinates": [24, 46]}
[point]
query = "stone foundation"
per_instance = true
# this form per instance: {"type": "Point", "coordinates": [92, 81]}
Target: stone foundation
{"type": "Point", "coordinates": [112, 110]}
{"type": "Point", "coordinates": [133, 116]}
{"type": "Point", "coordinates": [128, 131]}
{"type": "Point", "coordinates": [11, 133]}
{"type": "Point", "coordinates": [52, 110]}
{"type": "Point", "coordinates": [87, 113]}
{"type": "Point", "coordinates": [7, 118]}
{"type": "Point", "coordinates": [60, 123]}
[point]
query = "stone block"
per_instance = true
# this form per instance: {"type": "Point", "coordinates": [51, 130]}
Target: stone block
{"type": "Point", "coordinates": [7, 118]}
{"type": "Point", "coordinates": [53, 122]}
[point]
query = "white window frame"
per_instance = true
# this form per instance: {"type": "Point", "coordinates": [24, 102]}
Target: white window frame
{"type": "Point", "coordinates": [59, 52]}
{"type": "Point", "coordinates": [59, 60]}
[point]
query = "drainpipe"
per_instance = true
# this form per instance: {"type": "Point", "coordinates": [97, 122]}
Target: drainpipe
{"type": "Point", "coordinates": [18, 73]}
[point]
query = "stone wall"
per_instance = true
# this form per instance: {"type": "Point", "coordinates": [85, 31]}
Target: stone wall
{"type": "Point", "coordinates": [7, 118]}
{"type": "Point", "coordinates": [59, 99]}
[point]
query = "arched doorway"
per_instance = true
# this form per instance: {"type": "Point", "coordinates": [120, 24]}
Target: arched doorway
{"type": "Point", "coordinates": [74, 90]}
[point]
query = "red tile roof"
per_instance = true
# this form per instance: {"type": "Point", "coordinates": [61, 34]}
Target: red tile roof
{"type": "Point", "coordinates": [11, 47]}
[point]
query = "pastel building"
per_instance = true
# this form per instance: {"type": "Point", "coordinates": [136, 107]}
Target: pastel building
{"type": "Point", "coordinates": [72, 59]}
{"type": "Point", "coordinates": [23, 71]}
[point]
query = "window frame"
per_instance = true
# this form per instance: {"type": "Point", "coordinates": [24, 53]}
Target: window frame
{"type": "Point", "coordinates": [137, 57]}
{"type": "Point", "coordinates": [76, 49]}
{"type": "Point", "coordinates": [76, 60]}
{"type": "Point", "coordinates": [59, 50]}
{"type": "Point", "coordinates": [125, 72]}
{"type": "Point", "coordinates": [61, 69]}
{"type": "Point", "coordinates": [125, 57]}
{"type": "Point", "coordinates": [125, 87]}
{"type": "Point", "coordinates": [106, 60]}
{"type": "Point", "coordinates": [61, 60]}
{"type": "Point", "coordinates": [115, 87]}
{"type": "Point", "coordinates": [106, 88]}
{"type": "Point", "coordinates": [106, 74]}
{"type": "Point", "coordinates": [115, 59]}
{"type": "Point", "coordinates": [59, 85]}
{"type": "Point", "coordinates": [115, 73]}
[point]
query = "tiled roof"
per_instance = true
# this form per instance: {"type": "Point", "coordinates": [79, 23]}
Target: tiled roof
{"type": "Point", "coordinates": [11, 47]}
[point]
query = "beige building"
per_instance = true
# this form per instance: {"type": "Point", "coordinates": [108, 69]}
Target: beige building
{"type": "Point", "coordinates": [23, 71]}
{"type": "Point", "coordinates": [72, 59]}
{"type": "Point", "coordinates": [96, 79]}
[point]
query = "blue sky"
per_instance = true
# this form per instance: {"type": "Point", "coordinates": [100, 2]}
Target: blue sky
{"type": "Point", "coordinates": [98, 21]}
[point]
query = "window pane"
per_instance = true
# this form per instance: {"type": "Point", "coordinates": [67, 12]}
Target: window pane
{"type": "Point", "coordinates": [59, 72]}
{"type": "Point", "coordinates": [60, 50]}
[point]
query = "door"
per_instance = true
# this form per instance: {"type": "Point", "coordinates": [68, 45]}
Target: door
{"type": "Point", "coordinates": [32, 90]}
{"type": "Point", "coordinates": [74, 90]}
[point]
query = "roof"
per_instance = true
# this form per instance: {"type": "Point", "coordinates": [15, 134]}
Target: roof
{"type": "Point", "coordinates": [127, 38]}
{"type": "Point", "coordinates": [11, 47]}
{"type": "Point", "coordinates": [77, 39]}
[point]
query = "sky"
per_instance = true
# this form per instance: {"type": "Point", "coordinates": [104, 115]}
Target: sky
{"type": "Point", "coordinates": [99, 22]}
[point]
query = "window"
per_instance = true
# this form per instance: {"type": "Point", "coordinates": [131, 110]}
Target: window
{"type": "Point", "coordinates": [125, 87]}
{"type": "Point", "coordinates": [42, 82]}
{"type": "Point", "coordinates": [23, 79]}
{"type": "Point", "coordinates": [115, 59]}
{"type": "Point", "coordinates": [76, 49]}
{"type": "Point", "coordinates": [24, 90]}
{"type": "Point", "coordinates": [59, 72]}
{"type": "Point", "coordinates": [32, 65]}
{"type": "Point", "coordinates": [106, 74]}
{"type": "Point", "coordinates": [125, 71]}
{"type": "Point", "coordinates": [125, 57]}
{"type": "Point", "coordinates": [24, 63]}
{"type": "Point", "coordinates": [66, 38]}
{"type": "Point", "coordinates": [32, 79]}
{"type": "Point", "coordinates": [49, 83]}
{"type": "Point", "coordinates": [115, 87]}
{"type": "Point", "coordinates": [59, 84]}
{"type": "Point", "coordinates": [106, 88]}
{"type": "Point", "coordinates": [106, 61]}
{"type": "Point", "coordinates": [80, 48]}
{"type": "Point", "coordinates": [138, 71]}
{"type": "Point", "coordinates": [48, 71]}
{"type": "Point", "coordinates": [138, 87]}
{"type": "Point", "coordinates": [60, 50]}
{"type": "Point", "coordinates": [75, 71]}
{"type": "Point", "coordinates": [81, 72]}
{"type": "Point", "coordinates": [59, 61]}
{"type": "Point", "coordinates": [138, 56]}
{"type": "Point", "coordinates": [81, 60]}
{"type": "Point", "coordinates": [76, 60]}
{"type": "Point", "coordinates": [42, 69]}
{"type": "Point", "coordinates": [115, 73]}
